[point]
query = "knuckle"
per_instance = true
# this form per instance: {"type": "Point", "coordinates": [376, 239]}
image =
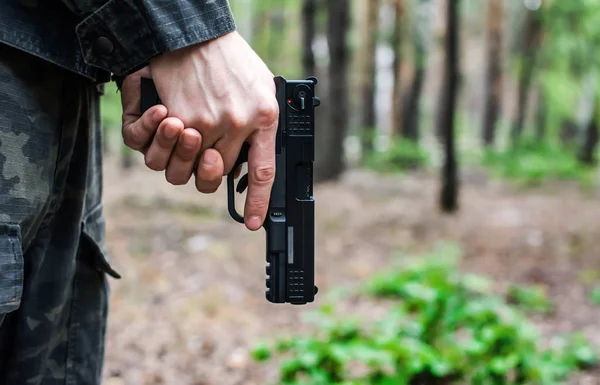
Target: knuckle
{"type": "Point", "coordinates": [236, 120]}
{"type": "Point", "coordinates": [264, 174]}
{"type": "Point", "coordinates": [129, 143]}
{"type": "Point", "coordinates": [258, 203]}
{"type": "Point", "coordinates": [177, 180]}
{"type": "Point", "coordinates": [267, 113]}
{"type": "Point", "coordinates": [153, 164]}
{"type": "Point", "coordinates": [132, 139]}
{"type": "Point", "coordinates": [185, 154]}
{"type": "Point", "coordinates": [207, 123]}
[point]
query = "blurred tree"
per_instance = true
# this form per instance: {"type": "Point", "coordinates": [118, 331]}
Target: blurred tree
{"type": "Point", "coordinates": [532, 38]}
{"type": "Point", "coordinates": [276, 33]}
{"type": "Point", "coordinates": [588, 150]}
{"type": "Point", "coordinates": [260, 30]}
{"type": "Point", "coordinates": [309, 10]}
{"type": "Point", "coordinates": [494, 88]}
{"type": "Point", "coordinates": [369, 62]}
{"type": "Point", "coordinates": [421, 35]}
{"type": "Point", "coordinates": [126, 157]}
{"type": "Point", "coordinates": [329, 162]}
{"type": "Point", "coordinates": [568, 132]}
{"type": "Point", "coordinates": [269, 30]}
{"type": "Point", "coordinates": [541, 117]}
{"type": "Point", "coordinates": [449, 190]}
{"type": "Point", "coordinates": [397, 67]}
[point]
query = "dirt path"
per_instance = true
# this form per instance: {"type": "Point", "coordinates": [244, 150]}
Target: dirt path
{"type": "Point", "coordinates": [191, 301]}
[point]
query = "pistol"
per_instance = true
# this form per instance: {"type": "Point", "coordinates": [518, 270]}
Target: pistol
{"type": "Point", "coordinates": [290, 220]}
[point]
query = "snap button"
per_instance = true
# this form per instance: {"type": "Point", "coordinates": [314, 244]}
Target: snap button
{"type": "Point", "coordinates": [104, 46]}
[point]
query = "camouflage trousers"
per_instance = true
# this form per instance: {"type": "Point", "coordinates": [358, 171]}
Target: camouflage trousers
{"type": "Point", "coordinates": [53, 261]}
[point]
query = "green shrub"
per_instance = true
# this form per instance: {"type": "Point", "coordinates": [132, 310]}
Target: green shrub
{"type": "Point", "coordinates": [529, 299]}
{"type": "Point", "coordinates": [402, 155]}
{"type": "Point", "coordinates": [532, 163]}
{"type": "Point", "coordinates": [440, 327]}
{"type": "Point", "coordinates": [111, 109]}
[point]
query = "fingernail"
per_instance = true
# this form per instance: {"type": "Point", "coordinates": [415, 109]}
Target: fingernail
{"type": "Point", "coordinates": [157, 115]}
{"type": "Point", "coordinates": [171, 132]}
{"type": "Point", "coordinates": [210, 158]}
{"type": "Point", "coordinates": [254, 222]}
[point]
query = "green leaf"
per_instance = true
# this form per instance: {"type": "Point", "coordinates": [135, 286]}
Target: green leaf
{"type": "Point", "coordinates": [595, 295]}
{"type": "Point", "coordinates": [261, 352]}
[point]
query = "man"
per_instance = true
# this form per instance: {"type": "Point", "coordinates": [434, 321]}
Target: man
{"type": "Point", "coordinates": [54, 57]}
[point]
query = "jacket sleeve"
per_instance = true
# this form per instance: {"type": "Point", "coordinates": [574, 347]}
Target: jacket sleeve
{"type": "Point", "coordinates": [121, 36]}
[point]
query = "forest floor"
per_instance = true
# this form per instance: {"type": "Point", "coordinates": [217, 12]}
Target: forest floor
{"type": "Point", "coordinates": [191, 302]}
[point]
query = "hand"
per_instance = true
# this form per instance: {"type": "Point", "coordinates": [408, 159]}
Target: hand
{"type": "Point", "coordinates": [224, 90]}
{"type": "Point", "coordinates": [165, 143]}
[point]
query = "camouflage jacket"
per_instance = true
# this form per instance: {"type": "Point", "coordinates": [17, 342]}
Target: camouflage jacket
{"type": "Point", "coordinates": [95, 38]}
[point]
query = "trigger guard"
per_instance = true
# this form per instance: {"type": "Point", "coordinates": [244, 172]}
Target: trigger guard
{"type": "Point", "coordinates": [231, 200]}
{"type": "Point", "coordinates": [242, 184]}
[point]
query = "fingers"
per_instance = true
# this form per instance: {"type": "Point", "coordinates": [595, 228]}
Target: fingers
{"type": "Point", "coordinates": [230, 151]}
{"type": "Point", "coordinates": [261, 174]}
{"type": "Point", "coordinates": [158, 154]}
{"type": "Point", "coordinates": [238, 171]}
{"type": "Point", "coordinates": [209, 173]}
{"type": "Point", "coordinates": [261, 164]}
{"type": "Point", "coordinates": [182, 162]}
{"type": "Point", "coordinates": [138, 131]}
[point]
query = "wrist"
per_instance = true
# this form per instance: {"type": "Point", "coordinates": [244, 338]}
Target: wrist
{"type": "Point", "coordinates": [178, 53]}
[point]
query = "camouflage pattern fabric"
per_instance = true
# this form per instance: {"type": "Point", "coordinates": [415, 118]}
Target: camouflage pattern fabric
{"type": "Point", "coordinates": [53, 261]}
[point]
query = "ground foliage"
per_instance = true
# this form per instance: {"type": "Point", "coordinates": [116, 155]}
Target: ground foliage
{"type": "Point", "coordinates": [442, 327]}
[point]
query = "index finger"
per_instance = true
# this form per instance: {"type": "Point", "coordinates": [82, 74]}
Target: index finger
{"type": "Point", "coordinates": [261, 174]}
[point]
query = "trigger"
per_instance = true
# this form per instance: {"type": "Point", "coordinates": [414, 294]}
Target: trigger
{"type": "Point", "coordinates": [242, 184]}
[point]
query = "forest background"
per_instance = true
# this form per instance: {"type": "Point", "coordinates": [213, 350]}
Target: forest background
{"type": "Point", "coordinates": [456, 201]}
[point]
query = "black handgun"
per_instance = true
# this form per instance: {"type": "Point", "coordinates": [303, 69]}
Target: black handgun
{"type": "Point", "coordinates": [289, 224]}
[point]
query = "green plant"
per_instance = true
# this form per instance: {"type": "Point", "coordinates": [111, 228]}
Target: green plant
{"type": "Point", "coordinates": [595, 295]}
{"type": "Point", "coordinates": [532, 162]}
{"type": "Point", "coordinates": [531, 299]}
{"type": "Point", "coordinates": [401, 155]}
{"type": "Point", "coordinates": [441, 327]}
{"type": "Point", "coordinates": [110, 107]}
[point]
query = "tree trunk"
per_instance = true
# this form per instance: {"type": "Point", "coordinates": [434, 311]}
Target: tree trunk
{"type": "Point", "coordinates": [126, 158]}
{"type": "Point", "coordinates": [330, 140]}
{"type": "Point", "coordinates": [422, 30]}
{"type": "Point", "coordinates": [568, 132]}
{"type": "Point", "coordinates": [309, 10]}
{"type": "Point", "coordinates": [531, 44]}
{"type": "Point", "coordinates": [397, 47]}
{"type": "Point", "coordinates": [368, 82]}
{"type": "Point", "coordinates": [541, 118]}
{"type": "Point", "coordinates": [493, 99]}
{"type": "Point", "coordinates": [276, 31]}
{"type": "Point", "coordinates": [412, 114]}
{"type": "Point", "coordinates": [449, 191]}
{"type": "Point", "coordinates": [588, 151]}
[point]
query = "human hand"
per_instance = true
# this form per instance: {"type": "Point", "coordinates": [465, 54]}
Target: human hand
{"type": "Point", "coordinates": [166, 144]}
{"type": "Point", "coordinates": [223, 89]}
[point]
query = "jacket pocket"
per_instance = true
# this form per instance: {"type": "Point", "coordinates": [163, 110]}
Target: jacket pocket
{"type": "Point", "coordinates": [93, 246]}
{"type": "Point", "coordinates": [11, 268]}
